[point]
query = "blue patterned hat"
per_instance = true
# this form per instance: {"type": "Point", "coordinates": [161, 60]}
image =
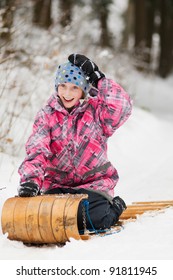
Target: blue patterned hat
{"type": "Point", "coordinates": [70, 73]}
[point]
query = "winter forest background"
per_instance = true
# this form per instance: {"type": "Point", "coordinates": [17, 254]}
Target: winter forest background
{"type": "Point", "coordinates": [35, 36]}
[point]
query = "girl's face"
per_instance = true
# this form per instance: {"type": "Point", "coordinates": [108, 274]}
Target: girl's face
{"type": "Point", "coordinates": [69, 94]}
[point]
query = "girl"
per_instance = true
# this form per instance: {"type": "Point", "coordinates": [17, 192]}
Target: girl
{"type": "Point", "coordinates": [67, 150]}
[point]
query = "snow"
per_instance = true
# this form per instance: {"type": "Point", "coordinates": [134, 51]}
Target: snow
{"type": "Point", "coordinates": [141, 150]}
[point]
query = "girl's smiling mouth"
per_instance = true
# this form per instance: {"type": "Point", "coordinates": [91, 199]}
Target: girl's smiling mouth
{"type": "Point", "coordinates": [68, 100]}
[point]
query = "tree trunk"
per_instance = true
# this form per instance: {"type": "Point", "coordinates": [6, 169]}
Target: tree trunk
{"type": "Point", "coordinates": [128, 17]}
{"type": "Point", "coordinates": [144, 28]}
{"type": "Point", "coordinates": [150, 13]}
{"type": "Point", "coordinates": [140, 23]}
{"type": "Point", "coordinates": [7, 8]}
{"type": "Point", "coordinates": [66, 12]}
{"type": "Point", "coordinates": [166, 38]}
{"type": "Point", "coordinates": [101, 10]}
{"type": "Point", "coordinates": [42, 13]}
{"type": "Point", "coordinates": [105, 38]}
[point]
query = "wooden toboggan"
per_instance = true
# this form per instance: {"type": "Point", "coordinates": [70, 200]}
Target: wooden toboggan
{"type": "Point", "coordinates": [52, 219]}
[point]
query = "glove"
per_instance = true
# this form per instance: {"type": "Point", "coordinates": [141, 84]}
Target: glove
{"type": "Point", "coordinates": [28, 189]}
{"type": "Point", "coordinates": [119, 205]}
{"type": "Point", "coordinates": [90, 69]}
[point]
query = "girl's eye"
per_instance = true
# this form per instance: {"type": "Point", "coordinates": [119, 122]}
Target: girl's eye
{"type": "Point", "coordinates": [62, 85]}
{"type": "Point", "coordinates": [75, 88]}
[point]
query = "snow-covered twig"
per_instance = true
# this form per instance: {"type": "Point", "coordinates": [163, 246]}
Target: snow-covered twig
{"type": "Point", "coordinates": [2, 188]}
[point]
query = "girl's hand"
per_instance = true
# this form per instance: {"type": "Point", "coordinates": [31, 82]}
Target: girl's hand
{"type": "Point", "coordinates": [90, 69]}
{"type": "Point", "coordinates": [28, 189]}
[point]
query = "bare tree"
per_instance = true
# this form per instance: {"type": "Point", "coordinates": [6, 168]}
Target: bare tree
{"type": "Point", "coordinates": [66, 12]}
{"type": "Point", "coordinates": [42, 13]}
{"type": "Point", "coordinates": [101, 10]}
{"type": "Point", "coordinates": [6, 13]}
{"type": "Point", "coordinates": [128, 17]}
{"type": "Point", "coordinates": [166, 38]}
{"type": "Point", "coordinates": [144, 29]}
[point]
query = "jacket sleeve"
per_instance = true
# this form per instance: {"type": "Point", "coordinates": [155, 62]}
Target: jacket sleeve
{"type": "Point", "coordinates": [37, 148]}
{"type": "Point", "coordinates": [114, 106]}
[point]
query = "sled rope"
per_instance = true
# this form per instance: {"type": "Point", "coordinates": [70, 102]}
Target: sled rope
{"type": "Point", "coordinates": [86, 206]}
{"type": "Point", "coordinates": [100, 232]}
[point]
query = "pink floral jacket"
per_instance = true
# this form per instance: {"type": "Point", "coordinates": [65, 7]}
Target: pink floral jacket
{"type": "Point", "coordinates": [70, 149]}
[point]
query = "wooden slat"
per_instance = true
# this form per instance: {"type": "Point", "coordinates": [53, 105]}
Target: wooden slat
{"type": "Point", "coordinates": [162, 202]}
{"type": "Point", "coordinates": [138, 208]}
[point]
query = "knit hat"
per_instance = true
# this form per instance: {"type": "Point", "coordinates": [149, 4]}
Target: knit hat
{"type": "Point", "coordinates": [70, 73]}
